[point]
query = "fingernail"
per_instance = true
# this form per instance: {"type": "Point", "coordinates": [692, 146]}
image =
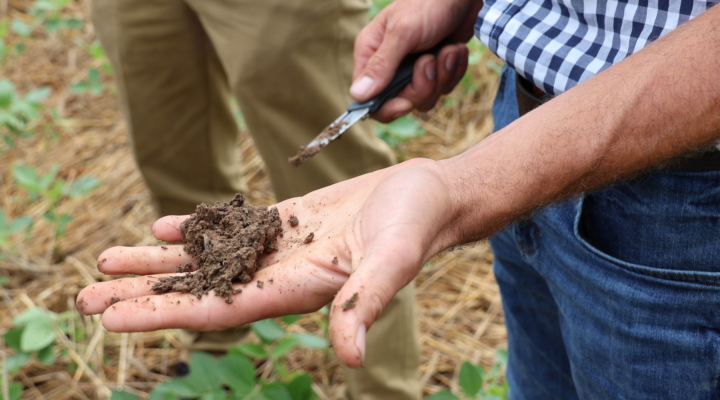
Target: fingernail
{"type": "Point", "coordinates": [360, 342]}
{"type": "Point", "coordinates": [430, 70]}
{"type": "Point", "coordinates": [451, 62]}
{"type": "Point", "coordinates": [361, 86]}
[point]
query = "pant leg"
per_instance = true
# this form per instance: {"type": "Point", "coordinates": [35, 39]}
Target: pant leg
{"type": "Point", "coordinates": [174, 95]}
{"type": "Point", "coordinates": [538, 364]}
{"type": "Point", "coordinates": [289, 64]}
{"type": "Point", "coordinates": [175, 99]}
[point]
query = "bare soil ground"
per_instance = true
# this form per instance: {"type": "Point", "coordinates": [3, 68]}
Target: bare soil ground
{"type": "Point", "coordinates": [458, 302]}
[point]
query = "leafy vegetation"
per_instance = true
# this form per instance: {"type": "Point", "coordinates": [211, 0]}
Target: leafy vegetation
{"type": "Point", "coordinates": [399, 131]}
{"type": "Point", "coordinates": [19, 115]}
{"type": "Point", "coordinates": [53, 189]}
{"type": "Point", "coordinates": [32, 336]}
{"type": "Point", "coordinates": [10, 227]}
{"type": "Point", "coordinates": [476, 384]}
{"type": "Point", "coordinates": [234, 376]}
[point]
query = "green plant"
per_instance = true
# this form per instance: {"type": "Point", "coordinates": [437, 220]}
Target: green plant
{"type": "Point", "coordinates": [15, 390]}
{"type": "Point", "coordinates": [97, 53]}
{"type": "Point", "coordinates": [49, 14]}
{"type": "Point", "coordinates": [93, 84]}
{"type": "Point", "coordinates": [3, 35]}
{"type": "Point", "coordinates": [234, 375]}
{"type": "Point", "coordinates": [33, 335]}
{"type": "Point", "coordinates": [477, 384]}
{"type": "Point", "coordinates": [399, 131]}
{"type": "Point", "coordinates": [18, 115]}
{"type": "Point", "coordinates": [229, 377]}
{"type": "Point", "coordinates": [10, 227]}
{"type": "Point", "coordinates": [377, 6]}
{"type": "Point", "coordinates": [53, 189]}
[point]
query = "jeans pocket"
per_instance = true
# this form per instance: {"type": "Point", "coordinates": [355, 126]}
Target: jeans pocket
{"type": "Point", "coordinates": [636, 253]}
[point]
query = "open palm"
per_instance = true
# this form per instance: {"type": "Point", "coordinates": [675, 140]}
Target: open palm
{"type": "Point", "coordinates": [371, 236]}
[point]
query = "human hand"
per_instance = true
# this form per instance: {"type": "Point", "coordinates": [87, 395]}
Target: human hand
{"type": "Point", "coordinates": [382, 227]}
{"type": "Point", "coordinates": [411, 26]}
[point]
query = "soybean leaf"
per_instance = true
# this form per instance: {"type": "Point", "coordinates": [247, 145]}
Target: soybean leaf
{"type": "Point", "coordinates": [31, 314]}
{"type": "Point", "coordinates": [19, 224]}
{"type": "Point", "coordinates": [62, 222]}
{"type": "Point", "coordinates": [26, 177]}
{"type": "Point", "coordinates": [252, 350]}
{"type": "Point", "coordinates": [291, 319]}
{"type": "Point", "coordinates": [4, 280]}
{"type": "Point", "coordinates": [82, 186]}
{"type": "Point", "coordinates": [471, 379]}
{"type": "Point", "coordinates": [501, 355]}
{"type": "Point", "coordinates": [284, 346]}
{"type": "Point", "coordinates": [404, 127]}
{"type": "Point", "coordinates": [74, 23]}
{"type": "Point", "coordinates": [56, 191]}
{"type": "Point", "coordinates": [301, 388]}
{"type": "Point", "coordinates": [37, 334]}
{"type": "Point", "coordinates": [48, 178]}
{"type": "Point", "coordinates": [123, 395]}
{"type": "Point", "coordinates": [492, 397]}
{"type": "Point", "coordinates": [204, 372]}
{"type": "Point", "coordinates": [178, 387]}
{"type": "Point", "coordinates": [159, 394]}
{"type": "Point", "coordinates": [14, 362]}
{"type": "Point", "coordinates": [21, 28]}
{"type": "Point", "coordinates": [442, 395]}
{"type": "Point", "coordinates": [217, 394]}
{"type": "Point", "coordinates": [38, 95]}
{"type": "Point", "coordinates": [12, 338]}
{"type": "Point", "coordinates": [238, 373]}
{"type": "Point", "coordinates": [399, 130]}
{"type": "Point", "coordinates": [268, 330]}
{"type": "Point", "coordinates": [310, 340]}
{"type": "Point", "coordinates": [47, 355]}
{"type": "Point", "coordinates": [15, 390]}
{"type": "Point", "coordinates": [7, 93]}
{"type": "Point", "coordinates": [276, 391]}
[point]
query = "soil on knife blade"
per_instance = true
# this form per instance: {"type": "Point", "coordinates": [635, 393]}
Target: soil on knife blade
{"type": "Point", "coordinates": [306, 152]}
{"type": "Point", "coordinates": [226, 241]}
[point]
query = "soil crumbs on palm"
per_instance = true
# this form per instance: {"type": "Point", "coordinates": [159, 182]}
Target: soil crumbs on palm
{"type": "Point", "coordinates": [226, 240]}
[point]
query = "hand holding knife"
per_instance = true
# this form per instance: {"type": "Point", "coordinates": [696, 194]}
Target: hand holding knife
{"type": "Point", "coordinates": [360, 110]}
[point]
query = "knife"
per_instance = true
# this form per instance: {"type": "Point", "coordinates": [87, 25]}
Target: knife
{"type": "Point", "coordinates": [360, 110]}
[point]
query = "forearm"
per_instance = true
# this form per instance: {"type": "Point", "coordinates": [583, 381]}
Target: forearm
{"type": "Point", "coordinates": [658, 103]}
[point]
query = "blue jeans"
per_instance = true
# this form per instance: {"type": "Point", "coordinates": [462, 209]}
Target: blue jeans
{"type": "Point", "coordinates": [615, 294]}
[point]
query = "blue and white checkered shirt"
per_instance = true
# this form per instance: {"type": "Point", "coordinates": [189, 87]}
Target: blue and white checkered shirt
{"type": "Point", "coordinates": [559, 43]}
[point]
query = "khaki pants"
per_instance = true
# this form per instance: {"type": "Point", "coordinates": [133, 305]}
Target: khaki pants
{"type": "Point", "coordinates": [288, 63]}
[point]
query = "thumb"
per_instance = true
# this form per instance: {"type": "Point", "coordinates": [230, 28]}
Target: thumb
{"type": "Point", "coordinates": [379, 66]}
{"type": "Point", "coordinates": [361, 300]}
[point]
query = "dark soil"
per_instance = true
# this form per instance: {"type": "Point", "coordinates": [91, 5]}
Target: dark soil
{"type": "Point", "coordinates": [350, 303]}
{"type": "Point", "coordinates": [226, 240]}
{"type": "Point", "coordinates": [306, 152]}
{"type": "Point", "coordinates": [309, 238]}
{"type": "Point", "coordinates": [293, 221]}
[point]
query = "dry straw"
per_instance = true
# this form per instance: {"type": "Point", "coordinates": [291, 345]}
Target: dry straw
{"type": "Point", "coordinates": [457, 298]}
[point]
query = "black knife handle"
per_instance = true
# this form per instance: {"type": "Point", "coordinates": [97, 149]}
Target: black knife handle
{"type": "Point", "coordinates": [403, 76]}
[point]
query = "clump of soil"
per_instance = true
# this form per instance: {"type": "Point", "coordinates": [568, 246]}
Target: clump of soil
{"type": "Point", "coordinates": [226, 241]}
{"type": "Point", "coordinates": [323, 139]}
{"type": "Point", "coordinates": [309, 238]}
{"type": "Point", "coordinates": [351, 302]}
{"type": "Point", "coordinates": [293, 221]}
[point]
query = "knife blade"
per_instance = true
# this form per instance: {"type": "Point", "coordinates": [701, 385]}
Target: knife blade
{"type": "Point", "coordinates": [360, 110]}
